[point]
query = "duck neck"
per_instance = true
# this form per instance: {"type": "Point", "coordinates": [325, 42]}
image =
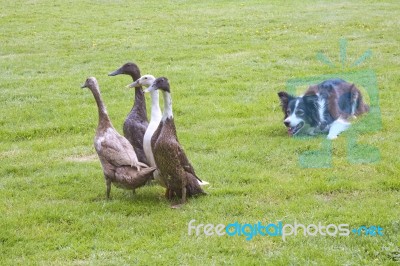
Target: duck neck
{"type": "Point", "coordinates": [104, 120]}
{"type": "Point", "coordinates": [140, 103]}
{"type": "Point", "coordinates": [155, 105]}
{"type": "Point", "coordinates": [167, 106]}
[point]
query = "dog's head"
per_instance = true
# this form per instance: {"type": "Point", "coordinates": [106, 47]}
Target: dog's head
{"type": "Point", "coordinates": [300, 112]}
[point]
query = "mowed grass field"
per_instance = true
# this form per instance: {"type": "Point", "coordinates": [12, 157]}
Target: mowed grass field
{"type": "Point", "coordinates": [226, 61]}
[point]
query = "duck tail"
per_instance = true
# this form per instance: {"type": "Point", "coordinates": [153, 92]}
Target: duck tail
{"type": "Point", "coordinates": [193, 187]}
{"type": "Point", "coordinates": [203, 183]}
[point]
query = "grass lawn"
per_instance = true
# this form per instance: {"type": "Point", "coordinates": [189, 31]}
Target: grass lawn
{"type": "Point", "coordinates": [226, 61]}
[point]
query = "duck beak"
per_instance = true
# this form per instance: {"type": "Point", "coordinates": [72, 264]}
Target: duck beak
{"type": "Point", "coordinates": [116, 72]}
{"type": "Point", "coordinates": [133, 85]}
{"type": "Point", "coordinates": [83, 86]}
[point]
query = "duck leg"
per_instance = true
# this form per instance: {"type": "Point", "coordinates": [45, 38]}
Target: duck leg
{"type": "Point", "coordinates": [183, 195]}
{"type": "Point", "coordinates": [183, 199]}
{"type": "Point", "coordinates": [169, 193]}
{"type": "Point", "coordinates": [108, 184]}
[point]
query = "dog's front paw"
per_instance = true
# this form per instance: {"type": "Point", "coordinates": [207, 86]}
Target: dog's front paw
{"type": "Point", "coordinates": [332, 137]}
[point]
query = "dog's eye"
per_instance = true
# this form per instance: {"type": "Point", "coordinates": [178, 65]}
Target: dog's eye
{"type": "Point", "coordinates": [299, 112]}
{"type": "Point", "coordinates": [288, 112]}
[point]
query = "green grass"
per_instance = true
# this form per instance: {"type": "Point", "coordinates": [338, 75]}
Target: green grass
{"type": "Point", "coordinates": [226, 61]}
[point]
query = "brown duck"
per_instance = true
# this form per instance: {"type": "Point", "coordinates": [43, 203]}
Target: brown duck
{"type": "Point", "coordinates": [118, 159]}
{"type": "Point", "coordinates": [136, 122]}
{"type": "Point", "coordinates": [175, 169]}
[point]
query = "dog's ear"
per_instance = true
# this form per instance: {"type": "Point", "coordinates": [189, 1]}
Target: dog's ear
{"type": "Point", "coordinates": [285, 99]}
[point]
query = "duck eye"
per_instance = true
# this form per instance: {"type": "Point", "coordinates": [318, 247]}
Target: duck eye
{"type": "Point", "coordinates": [145, 77]}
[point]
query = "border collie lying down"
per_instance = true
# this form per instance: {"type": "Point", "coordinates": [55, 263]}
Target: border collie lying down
{"type": "Point", "coordinates": [324, 108]}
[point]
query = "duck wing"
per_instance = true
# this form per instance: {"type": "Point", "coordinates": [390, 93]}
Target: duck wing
{"type": "Point", "coordinates": [116, 150]}
{"type": "Point", "coordinates": [134, 131]}
{"type": "Point", "coordinates": [170, 128]}
{"type": "Point", "coordinates": [185, 161]}
{"type": "Point", "coordinates": [132, 178]}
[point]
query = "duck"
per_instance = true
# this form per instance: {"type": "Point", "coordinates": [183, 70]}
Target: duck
{"type": "Point", "coordinates": [156, 115]}
{"type": "Point", "coordinates": [136, 122]}
{"type": "Point", "coordinates": [118, 159]}
{"type": "Point", "coordinates": [176, 172]}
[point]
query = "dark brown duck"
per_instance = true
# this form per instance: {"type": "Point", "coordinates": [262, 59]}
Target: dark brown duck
{"type": "Point", "coordinates": [175, 169]}
{"type": "Point", "coordinates": [118, 159]}
{"type": "Point", "coordinates": [136, 122]}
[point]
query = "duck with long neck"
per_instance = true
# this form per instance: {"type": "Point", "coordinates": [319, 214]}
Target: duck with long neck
{"type": "Point", "coordinates": [174, 167]}
{"type": "Point", "coordinates": [117, 156]}
{"type": "Point", "coordinates": [155, 119]}
{"type": "Point", "coordinates": [136, 122]}
{"type": "Point", "coordinates": [104, 120]}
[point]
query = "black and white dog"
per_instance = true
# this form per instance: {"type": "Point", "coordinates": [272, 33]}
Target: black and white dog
{"type": "Point", "coordinates": [324, 108]}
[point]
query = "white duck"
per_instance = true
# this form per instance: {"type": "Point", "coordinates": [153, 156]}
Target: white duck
{"type": "Point", "coordinates": [155, 119]}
